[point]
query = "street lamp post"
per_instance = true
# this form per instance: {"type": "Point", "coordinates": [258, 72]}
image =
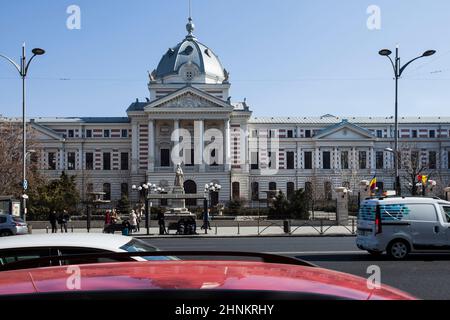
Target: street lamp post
{"type": "Point", "coordinates": [23, 71]}
{"type": "Point", "coordinates": [210, 188]}
{"type": "Point", "coordinates": [398, 71]}
{"type": "Point", "coordinates": [145, 189]}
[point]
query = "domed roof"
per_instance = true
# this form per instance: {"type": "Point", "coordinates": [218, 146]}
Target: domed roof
{"type": "Point", "coordinates": [191, 60]}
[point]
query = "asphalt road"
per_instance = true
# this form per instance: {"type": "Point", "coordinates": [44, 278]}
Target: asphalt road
{"type": "Point", "coordinates": [426, 276]}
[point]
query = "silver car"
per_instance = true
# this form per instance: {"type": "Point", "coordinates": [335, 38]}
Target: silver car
{"type": "Point", "coordinates": [12, 225]}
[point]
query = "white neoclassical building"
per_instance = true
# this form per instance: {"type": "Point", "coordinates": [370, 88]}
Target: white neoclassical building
{"type": "Point", "coordinates": [190, 119]}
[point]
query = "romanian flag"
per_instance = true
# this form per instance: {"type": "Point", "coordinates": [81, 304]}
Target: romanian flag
{"type": "Point", "coordinates": [423, 179]}
{"type": "Point", "coordinates": [373, 183]}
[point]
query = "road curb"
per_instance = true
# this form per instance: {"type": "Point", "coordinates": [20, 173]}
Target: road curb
{"type": "Point", "coordinates": [243, 236]}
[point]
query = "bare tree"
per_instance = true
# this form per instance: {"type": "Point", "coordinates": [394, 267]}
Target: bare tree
{"type": "Point", "coordinates": [11, 155]}
{"type": "Point", "coordinates": [412, 166]}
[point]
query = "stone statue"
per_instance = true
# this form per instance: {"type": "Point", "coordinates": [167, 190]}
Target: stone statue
{"type": "Point", "coordinates": [179, 177]}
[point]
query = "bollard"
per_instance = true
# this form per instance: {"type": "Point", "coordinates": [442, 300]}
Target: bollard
{"type": "Point", "coordinates": [353, 226]}
{"type": "Point", "coordinates": [321, 226]}
{"type": "Point", "coordinates": [72, 229]}
{"type": "Point", "coordinates": [239, 229]}
{"type": "Point", "coordinates": [216, 228]}
{"type": "Point", "coordinates": [46, 228]}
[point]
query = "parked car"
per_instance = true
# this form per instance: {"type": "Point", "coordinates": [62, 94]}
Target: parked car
{"type": "Point", "coordinates": [400, 225]}
{"type": "Point", "coordinates": [11, 225]}
{"type": "Point", "coordinates": [280, 278]}
{"type": "Point", "coordinates": [17, 249]}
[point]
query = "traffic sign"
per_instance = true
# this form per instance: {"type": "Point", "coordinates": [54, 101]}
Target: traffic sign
{"type": "Point", "coordinates": [25, 184]}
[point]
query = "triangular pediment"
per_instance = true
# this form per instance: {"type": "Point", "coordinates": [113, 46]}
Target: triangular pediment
{"type": "Point", "coordinates": [41, 132]}
{"type": "Point", "coordinates": [345, 131]}
{"type": "Point", "coordinates": [189, 98]}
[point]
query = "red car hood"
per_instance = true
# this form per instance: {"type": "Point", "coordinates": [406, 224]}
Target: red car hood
{"type": "Point", "coordinates": [201, 275]}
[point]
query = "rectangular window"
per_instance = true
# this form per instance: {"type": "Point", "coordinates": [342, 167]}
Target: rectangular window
{"type": "Point", "coordinates": [326, 155]}
{"type": "Point", "coordinates": [379, 160]}
{"type": "Point", "coordinates": [124, 161]}
{"type": "Point", "coordinates": [344, 160]}
{"type": "Point", "coordinates": [432, 134]}
{"type": "Point", "coordinates": [254, 133]}
{"type": "Point", "coordinates": [165, 157]}
{"type": "Point", "coordinates": [70, 133]}
{"type": "Point", "coordinates": [89, 161]}
{"type": "Point", "coordinates": [379, 133]}
{"type": "Point", "coordinates": [88, 133]}
{"type": "Point", "coordinates": [432, 160]}
{"type": "Point", "coordinates": [290, 160]}
{"type": "Point", "coordinates": [363, 160]}
{"type": "Point", "coordinates": [254, 157]}
{"type": "Point", "coordinates": [106, 133]}
{"type": "Point", "coordinates": [124, 133]}
{"type": "Point", "coordinates": [414, 133]}
{"type": "Point", "coordinates": [308, 160]}
{"type": "Point", "coordinates": [106, 161]}
{"type": "Point", "coordinates": [51, 161]}
{"type": "Point", "coordinates": [307, 133]}
{"type": "Point", "coordinates": [71, 161]}
{"type": "Point", "coordinates": [290, 134]}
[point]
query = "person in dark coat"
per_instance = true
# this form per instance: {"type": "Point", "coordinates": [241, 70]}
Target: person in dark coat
{"type": "Point", "coordinates": [161, 223]}
{"type": "Point", "coordinates": [62, 220]}
{"type": "Point", "coordinates": [52, 218]}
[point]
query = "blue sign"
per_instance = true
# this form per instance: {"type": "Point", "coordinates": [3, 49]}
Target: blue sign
{"type": "Point", "coordinates": [25, 184]}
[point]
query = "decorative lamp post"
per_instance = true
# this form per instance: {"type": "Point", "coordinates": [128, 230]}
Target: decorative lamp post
{"type": "Point", "coordinates": [145, 189]}
{"type": "Point", "coordinates": [398, 71]}
{"type": "Point", "coordinates": [23, 71]}
{"type": "Point", "coordinates": [210, 189]}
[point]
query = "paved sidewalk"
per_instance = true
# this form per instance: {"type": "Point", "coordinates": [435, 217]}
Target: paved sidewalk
{"type": "Point", "coordinates": [253, 231]}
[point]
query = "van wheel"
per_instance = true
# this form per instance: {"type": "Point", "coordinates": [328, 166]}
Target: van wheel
{"type": "Point", "coordinates": [5, 233]}
{"type": "Point", "coordinates": [398, 249]}
{"type": "Point", "coordinates": [375, 253]}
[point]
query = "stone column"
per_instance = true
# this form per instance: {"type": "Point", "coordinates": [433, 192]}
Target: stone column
{"type": "Point", "coordinates": [134, 147]}
{"type": "Point", "coordinates": [372, 160]}
{"type": "Point", "coordinates": [354, 162]}
{"type": "Point", "coordinates": [80, 158]}
{"type": "Point", "coordinates": [316, 158]}
{"type": "Point", "coordinates": [176, 147]}
{"type": "Point", "coordinates": [151, 145]}
{"type": "Point", "coordinates": [299, 157]}
{"type": "Point", "coordinates": [226, 148]}
{"type": "Point", "coordinates": [199, 144]}
{"type": "Point", "coordinates": [61, 154]}
{"type": "Point", "coordinates": [244, 148]}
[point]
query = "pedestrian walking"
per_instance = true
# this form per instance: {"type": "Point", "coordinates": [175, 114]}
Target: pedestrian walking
{"type": "Point", "coordinates": [206, 220]}
{"type": "Point", "coordinates": [62, 220]}
{"type": "Point", "coordinates": [53, 218]}
{"type": "Point", "coordinates": [133, 221]}
{"type": "Point", "coordinates": [161, 223]}
{"type": "Point", "coordinates": [139, 219]}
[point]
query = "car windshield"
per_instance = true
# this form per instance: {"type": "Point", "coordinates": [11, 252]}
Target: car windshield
{"type": "Point", "coordinates": [446, 212]}
{"type": "Point", "coordinates": [137, 245]}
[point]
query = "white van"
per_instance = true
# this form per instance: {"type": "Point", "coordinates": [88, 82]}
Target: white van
{"type": "Point", "coordinates": [400, 225]}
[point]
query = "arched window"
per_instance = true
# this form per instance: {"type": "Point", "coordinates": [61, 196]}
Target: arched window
{"type": "Point", "coordinates": [107, 191]}
{"type": "Point", "coordinates": [255, 191]}
{"type": "Point", "coordinates": [190, 187]}
{"type": "Point", "coordinates": [235, 188]}
{"type": "Point", "coordinates": [290, 189]}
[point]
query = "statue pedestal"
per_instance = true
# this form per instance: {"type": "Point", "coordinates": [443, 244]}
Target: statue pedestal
{"type": "Point", "coordinates": [178, 203]}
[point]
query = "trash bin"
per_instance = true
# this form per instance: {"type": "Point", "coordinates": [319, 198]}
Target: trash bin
{"type": "Point", "coordinates": [286, 226]}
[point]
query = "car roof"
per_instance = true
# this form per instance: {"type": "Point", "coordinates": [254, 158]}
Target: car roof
{"type": "Point", "coordinates": [80, 240]}
{"type": "Point", "coordinates": [201, 275]}
{"type": "Point", "coordinates": [406, 200]}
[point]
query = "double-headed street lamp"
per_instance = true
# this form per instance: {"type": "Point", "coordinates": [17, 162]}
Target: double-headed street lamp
{"type": "Point", "coordinates": [145, 189]}
{"type": "Point", "coordinates": [398, 71]}
{"type": "Point", "coordinates": [23, 71]}
{"type": "Point", "coordinates": [210, 189]}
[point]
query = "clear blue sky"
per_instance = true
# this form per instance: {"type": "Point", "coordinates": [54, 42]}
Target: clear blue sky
{"type": "Point", "coordinates": [287, 57]}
